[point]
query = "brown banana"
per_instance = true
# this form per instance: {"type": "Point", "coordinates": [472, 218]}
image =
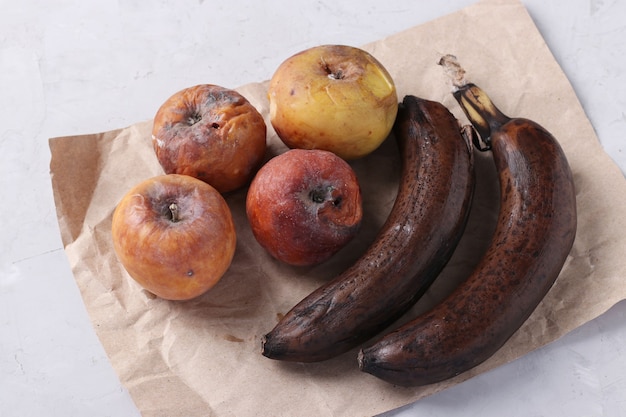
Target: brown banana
{"type": "Point", "coordinates": [416, 241]}
{"type": "Point", "coordinates": [533, 237]}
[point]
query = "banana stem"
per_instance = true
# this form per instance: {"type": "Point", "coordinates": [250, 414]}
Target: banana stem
{"type": "Point", "coordinates": [476, 104]}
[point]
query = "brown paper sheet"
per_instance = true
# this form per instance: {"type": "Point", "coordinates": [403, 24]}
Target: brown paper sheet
{"type": "Point", "coordinates": [202, 357]}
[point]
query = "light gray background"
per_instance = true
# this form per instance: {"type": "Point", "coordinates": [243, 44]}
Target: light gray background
{"type": "Point", "coordinates": [72, 67]}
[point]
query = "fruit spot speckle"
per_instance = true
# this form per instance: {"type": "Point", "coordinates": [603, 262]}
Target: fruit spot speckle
{"type": "Point", "coordinates": [190, 273]}
{"type": "Point", "coordinates": [232, 338]}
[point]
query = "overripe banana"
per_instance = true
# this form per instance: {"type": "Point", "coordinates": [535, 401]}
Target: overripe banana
{"type": "Point", "coordinates": [534, 234]}
{"type": "Point", "coordinates": [416, 241]}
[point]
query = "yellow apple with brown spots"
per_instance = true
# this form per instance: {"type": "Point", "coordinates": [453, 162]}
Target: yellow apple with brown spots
{"type": "Point", "coordinates": [337, 98]}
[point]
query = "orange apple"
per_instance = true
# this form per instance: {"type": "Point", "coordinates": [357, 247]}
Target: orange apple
{"type": "Point", "coordinates": [333, 97]}
{"type": "Point", "coordinates": [211, 133]}
{"type": "Point", "coordinates": [304, 206]}
{"type": "Point", "coordinates": [175, 236]}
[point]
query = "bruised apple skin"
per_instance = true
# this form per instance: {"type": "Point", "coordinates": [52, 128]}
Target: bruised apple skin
{"type": "Point", "coordinates": [211, 133]}
{"type": "Point", "coordinates": [304, 206]}
{"type": "Point", "coordinates": [333, 97]}
{"type": "Point", "coordinates": [174, 235]}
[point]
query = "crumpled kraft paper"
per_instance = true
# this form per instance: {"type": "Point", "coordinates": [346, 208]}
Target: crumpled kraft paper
{"type": "Point", "coordinates": [202, 357]}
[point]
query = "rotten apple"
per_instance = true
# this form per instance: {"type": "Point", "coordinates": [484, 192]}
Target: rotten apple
{"type": "Point", "coordinates": [304, 206]}
{"type": "Point", "coordinates": [333, 97]}
{"type": "Point", "coordinates": [211, 133]}
{"type": "Point", "coordinates": [174, 235]}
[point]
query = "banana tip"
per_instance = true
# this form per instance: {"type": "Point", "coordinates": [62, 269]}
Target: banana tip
{"type": "Point", "coordinates": [272, 348]}
{"type": "Point", "coordinates": [363, 361]}
{"type": "Point", "coordinates": [265, 350]}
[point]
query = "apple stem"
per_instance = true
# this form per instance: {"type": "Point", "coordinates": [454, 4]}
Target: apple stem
{"type": "Point", "coordinates": [174, 212]}
{"type": "Point", "coordinates": [333, 75]}
{"type": "Point", "coordinates": [336, 75]}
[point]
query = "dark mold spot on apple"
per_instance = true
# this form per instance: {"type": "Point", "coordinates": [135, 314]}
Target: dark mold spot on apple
{"type": "Point", "coordinates": [223, 96]}
{"type": "Point", "coordinates": [215, 125]}
{"type": "Point", "coordinates": [194, 118]}
{"type": "Point", "coordinates": [317, 196]}
{"type": "Point", "coordinates": [320, 195]}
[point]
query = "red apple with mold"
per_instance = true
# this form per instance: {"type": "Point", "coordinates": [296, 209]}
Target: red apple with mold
{"type": "Point", "coordinates": [211, 133]}
{"type": "Point", "coordinates": [333, 97]}
{"type": "Point", "coordinates": [174, 234]}
{"type": "Point", "coordinates": [304, 206]}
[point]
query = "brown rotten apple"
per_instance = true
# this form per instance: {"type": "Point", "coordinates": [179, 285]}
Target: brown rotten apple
{"type": "Point", "coordinates": [211, 133]}
{"type": "Point", "coordinates": [304, 206]}
{"type": "Point", "coordinates": [333, 97]}
{"type": "Point", "coordinates": [175, 236]}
